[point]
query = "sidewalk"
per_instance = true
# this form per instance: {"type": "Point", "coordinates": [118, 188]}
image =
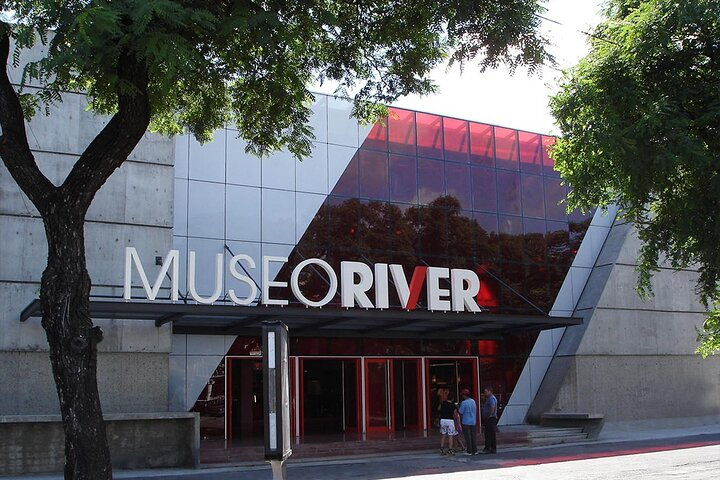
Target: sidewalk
{"type": "Point", "coordinates": [380, 466]}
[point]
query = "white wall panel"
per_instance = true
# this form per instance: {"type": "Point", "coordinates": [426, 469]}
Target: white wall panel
{"type": "Point", "coordinates": [242, 216]}
{"type": "Point", "coordinates": [207, 161]}
{"type": "Point", "coordinates": [180, 206]}
{"type": "Point", "coordinates": [311, 175]}
{"type": "Point", "coordinates": [242, 168]}
{"type": "Point", "coordinates": [278, 171]}
{"type": "Point", "coordinates": [342, 128]}
{"type": "Point", "coordinates": [319, 118]}
{"type": "Point", "coordinates": [182, 150]}
{"type": "Point", "coordinates": [206, 209]}
{"type": "Point", "coordinates": [205, 251]}
{"type": "Point", "coordinates": [278, 216]}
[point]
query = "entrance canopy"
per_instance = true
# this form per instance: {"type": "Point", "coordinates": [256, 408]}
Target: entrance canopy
{"type": "Point", "coordinates": [322, 322]}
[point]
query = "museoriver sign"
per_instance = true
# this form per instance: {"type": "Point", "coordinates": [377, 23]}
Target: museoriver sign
{"type": "Point", "coordinates": [354, 280]}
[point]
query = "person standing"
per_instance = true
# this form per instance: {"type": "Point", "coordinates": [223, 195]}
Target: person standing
{"type": "Point", "coordinates": [447, 424]}
{"type": "Point", "coordinates": [468, 420]}
{"type": "Point", "coordinates": [491, 419]}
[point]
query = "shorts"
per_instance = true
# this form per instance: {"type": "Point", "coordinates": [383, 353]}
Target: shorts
{"type": "Point", "coordinates": [447, 427]}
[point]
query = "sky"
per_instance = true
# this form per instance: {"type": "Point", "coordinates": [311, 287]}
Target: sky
{"type": "Point", "coordinates": [517, 101]}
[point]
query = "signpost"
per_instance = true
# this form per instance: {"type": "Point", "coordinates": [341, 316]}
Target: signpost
{"type": "Point", "coordinates": [276, 385]}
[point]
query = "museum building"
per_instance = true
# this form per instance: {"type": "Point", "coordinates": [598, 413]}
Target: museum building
{"type": "Point", "coordinates": [419, 253]}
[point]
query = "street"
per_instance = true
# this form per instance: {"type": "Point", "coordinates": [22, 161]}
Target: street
{"type": "Point", "coordinates": [695, 457]}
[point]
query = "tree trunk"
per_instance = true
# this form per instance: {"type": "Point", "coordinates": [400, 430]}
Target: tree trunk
{"type": "Point", "coordinates": [65, 298]}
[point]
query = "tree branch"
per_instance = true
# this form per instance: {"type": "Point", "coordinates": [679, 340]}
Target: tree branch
{"type": "Point", "coordinates": [14, 148]}
{"type": "Point", "coordinates": [116, 141]}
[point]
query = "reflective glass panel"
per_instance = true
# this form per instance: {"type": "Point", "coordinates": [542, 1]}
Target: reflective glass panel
{"type": "Point", "coordinates": [456, 140]}
{"type": "Point", "coordinates": [508, 184]}
{"type": "Point", "coordinates": [429, 135]}
{"type": "Point", "coordinates": [548, 163]}
{"type": "Point", "coordinates": [457, 177]}
{"type": "Point", "coordinates": [403, 179]}
{"type": "Point", "coordinates": [484, 190]}
{"type": "Point", "coordinates": [533, 198]}
{"type": "Point", "coordinates": [534, 236]}
{"type": "Point", "coordinates": [377, 138]}
{"type": "Point", "coordinates": [558, 243]}
{"type": "Point", "coordinates": [401, 131]}
{"type": "Point", "coordinates": [506, 148]}
{"type": "Point", "coordinates": [348, 183]}
{"type": "Point", "coordinates": [554, 194]}
{"type": "Point", "coordinates": [530, 152]}
{"type": "Point", "coordinates": [482, 144]}
{"type": "Point", "coordinates": [373, 174]}
{"type": "Point", "coordinates": [431, 180]}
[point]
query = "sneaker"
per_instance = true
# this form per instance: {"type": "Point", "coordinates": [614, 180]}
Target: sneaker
{"type": "Point", "coordinates": [451, 452]}
{"type": "Point", "coordinates": [443, 452]}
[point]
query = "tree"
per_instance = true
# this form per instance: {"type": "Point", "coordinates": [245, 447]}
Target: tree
{"type": "Point", "coordinates": [640, 122]}
{"type": "Point", "coordinates": [174, 65]}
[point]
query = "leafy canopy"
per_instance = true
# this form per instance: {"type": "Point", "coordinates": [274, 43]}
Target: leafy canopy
{"type": "Point", "coordinates": [640, 122]}
{"type": "Point", "coordinates": [250, 62]}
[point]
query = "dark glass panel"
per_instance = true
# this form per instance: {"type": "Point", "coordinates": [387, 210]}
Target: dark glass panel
{"type": "Point", "coordinates": [534, 239]}
{"type": "Point", "coordinates": [246, 346]}
{"type": "Point", "coordinates": [488, 347]}
{"type": "Point", "coordinates": [373, 174]}
{"type": "Point", "coordinates": [407, 346]}
{"type": "Point", "coordinates": [347, 186]}
{"type": "Point", "coordinates": [548, 163]}
{"type": "Point", "coordinates": [506, 148]}
{"type": "Point", "coordinates": [536, 288]}
{"type": "Point", "coordinates": [401, 131]}
{"type": "Point", "coordinates": [558, 243]}
{"type": "Point", "coordinates": [462, 230]}
{"type": "Point", "coordinates": [309, 346]}
{"type": "Point", "coordinates": [513, 275]}
{"type": "Point", "coordinates": [429, 135]}
{"type": "Point", "coordinates": [433, 230]}
{"type": "Point", "coordinates": [486, 240]}
{"type": "Point", "coordinates": [482, 144]}
{"type": "Point", "coordinates": [491, 374]}
{"type": "Point", "coordinates": [530, 152]}
{"type": "Point", "coordinates": [520, 344]}
{"type": "Point", "coordinates": [484, 189]}
{"type": "Point", "coordinates": [377, 346]}
{"type": "Point", "coordinates": [431, 180]}
{"type": "Point", "coordinates": [457, 178]}
{"type": "Point", "coordinates": [511, 239]}
{"type": "Point", "coordinates": [508, 185]}
{"type": "Point", "coordinates": [456, 140]}
{"type": "Point", "coordinates": [375, 227]}
{"type": "Point", "coordinates": [344, 220]}
{"type": "Point", "coordinates": [377, 138]}
{"type": "Point", "coordinates": [533, 196]}
{"type": "Point", "coordinates": [555, 193]}
{"type": "Point", "coordinates": [345, 346]}
{"type": "Point", "coordinates": [403, 179]}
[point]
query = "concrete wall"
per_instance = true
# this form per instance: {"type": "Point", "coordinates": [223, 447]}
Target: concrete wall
{"type": "Point", "coordinates": [632, 359]}
{"type": "Point", "coordinates": [36, 444]}
{"type": "Point", "coordinates": [135, 207]}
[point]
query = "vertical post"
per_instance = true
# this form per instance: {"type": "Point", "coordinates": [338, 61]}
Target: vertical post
{"type": "Point", "coordinates": [276, 386]}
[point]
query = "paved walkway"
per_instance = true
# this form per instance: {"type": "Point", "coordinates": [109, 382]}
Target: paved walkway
{"type": "Point", "coordinates": [613, 442]}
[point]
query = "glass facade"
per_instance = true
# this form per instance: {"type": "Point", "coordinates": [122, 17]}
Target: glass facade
{"type": "Point", "coordinates": [414, 189]}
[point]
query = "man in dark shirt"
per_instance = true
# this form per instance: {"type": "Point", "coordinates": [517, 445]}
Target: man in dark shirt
{"type": "Point", "coordinates": [489, 412]}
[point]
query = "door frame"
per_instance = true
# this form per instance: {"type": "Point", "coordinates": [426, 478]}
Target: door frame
{"type": "Point", "coordinates": [475, 376]}
{"type": "Point", "coordinates": [389, 399]}
{"type": "Point", "coordinates": [300, 389]}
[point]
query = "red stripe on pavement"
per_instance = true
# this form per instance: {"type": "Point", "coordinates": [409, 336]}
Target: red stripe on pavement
{"type": "Point", "coordinates": [611, 453]}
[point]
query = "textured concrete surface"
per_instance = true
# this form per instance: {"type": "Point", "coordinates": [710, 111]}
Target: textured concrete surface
{"type": "Point", "coordinates": [35, 444]}
{"type": "Point", "coordinates": [633, 358]}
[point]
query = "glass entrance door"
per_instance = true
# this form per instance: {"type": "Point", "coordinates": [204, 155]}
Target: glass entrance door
{"type": "Point", "coordinates": [378, 395]}
{"type": "Point", "coordinates": [448, 377]}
